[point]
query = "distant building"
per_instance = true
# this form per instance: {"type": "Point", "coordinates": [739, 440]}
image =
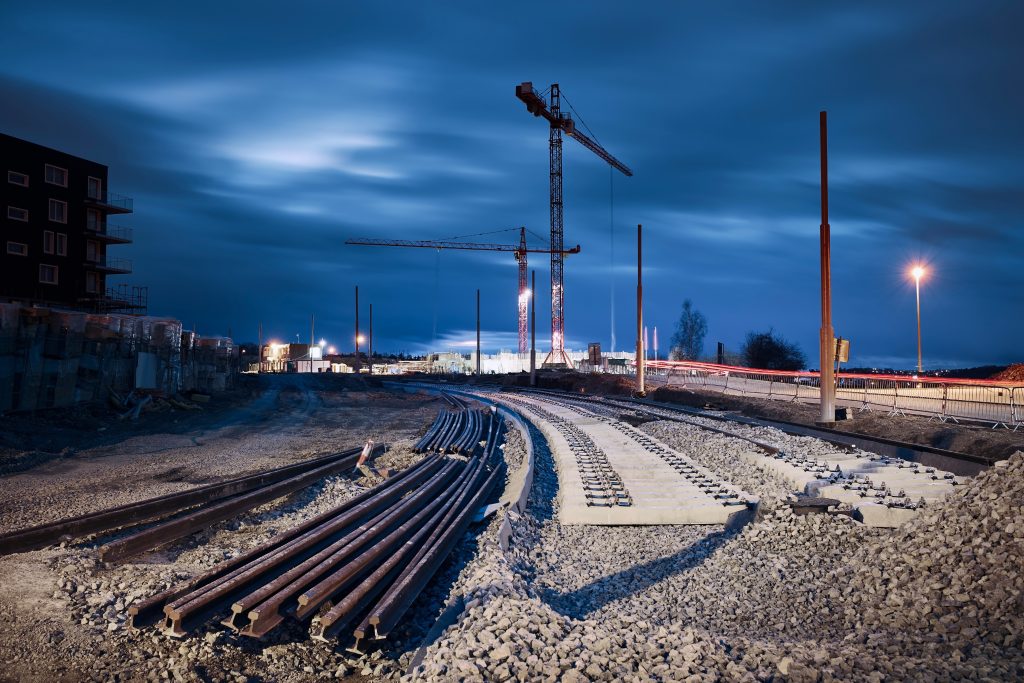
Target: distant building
{"type": "Point", "coordinates": [294, 358]}
{"type": "Point", "coordinates": [54, 248]}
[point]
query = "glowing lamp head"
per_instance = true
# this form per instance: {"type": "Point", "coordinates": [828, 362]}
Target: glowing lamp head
{"type": "Point", "coordinates": [322, 343]}
{"type": "Point", "coordinates": [332, 350]}
{"type": "Point", "coordinates": [918, 272]}
{"type": "Point", "coordinates": [360, 339]}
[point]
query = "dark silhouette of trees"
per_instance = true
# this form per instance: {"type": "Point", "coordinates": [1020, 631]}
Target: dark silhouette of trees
{"type": "Point", "coordinates": [688, 339]}
{"type": "Point", "coordinates": [768, 351]}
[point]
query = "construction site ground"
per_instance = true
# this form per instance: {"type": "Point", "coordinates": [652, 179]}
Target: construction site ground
{"type": "Point", "coordinates": [64, 463]}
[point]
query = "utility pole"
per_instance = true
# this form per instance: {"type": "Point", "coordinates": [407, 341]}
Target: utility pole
{"type": "Point", "coordinates": [826, 344]}
{"type": "Point", "coordinates": [259, 348]}
{"type": "Point", "coordinates": [640, 389]}
{"type": "Point", "coordinates": [533, 328]}
{"type": "Point", "coordinates": [358, 366]}
{"type": "Point", "coordinates": [369, 349]}
{"type": "Point", "coordinates": [478, 333]}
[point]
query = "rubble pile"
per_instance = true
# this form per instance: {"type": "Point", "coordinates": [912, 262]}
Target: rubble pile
{"type": "Point", "coordinates": [953, 572]}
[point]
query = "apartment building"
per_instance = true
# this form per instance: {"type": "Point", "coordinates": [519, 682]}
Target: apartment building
{"type": "Point", "coordinates": [57, 232]}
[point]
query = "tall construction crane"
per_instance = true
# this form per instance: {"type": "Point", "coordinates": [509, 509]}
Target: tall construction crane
{"type": "Point", "coordinates": [518, 250]}
{"type": "Point", "coordinates": [559, 121]}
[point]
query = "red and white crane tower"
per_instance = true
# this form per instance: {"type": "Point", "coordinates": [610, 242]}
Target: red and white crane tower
{"type": "Point", "coordinates": [559, 122]}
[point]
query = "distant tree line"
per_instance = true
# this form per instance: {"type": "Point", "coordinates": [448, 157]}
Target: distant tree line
{"type": "Point", "coordinates": [764, 350]}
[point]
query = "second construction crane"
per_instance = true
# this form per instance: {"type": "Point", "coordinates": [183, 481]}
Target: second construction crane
{"type": "Point", "coordinates": [559, 121]}
{"type": "Point", "coordinates": [518, 250]}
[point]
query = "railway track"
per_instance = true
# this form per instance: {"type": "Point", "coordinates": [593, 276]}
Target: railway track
{"type": "Point", "coordinates": [233, 495]}
{"type": "Point", "coordinates": [359, 565]}
{"type": "Point", "coordinates": [863, 479]}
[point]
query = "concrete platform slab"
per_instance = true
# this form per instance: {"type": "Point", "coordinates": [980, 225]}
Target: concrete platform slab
{"type": "Point", "coordinates": [662, 485]}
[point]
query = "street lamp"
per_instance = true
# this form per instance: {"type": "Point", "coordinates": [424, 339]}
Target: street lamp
{"type": "Point", "coordinates": [918, 272]}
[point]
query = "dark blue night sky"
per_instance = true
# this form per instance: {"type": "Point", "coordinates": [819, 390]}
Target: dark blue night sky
{"type": "Point", "coordinates": [256, 137]}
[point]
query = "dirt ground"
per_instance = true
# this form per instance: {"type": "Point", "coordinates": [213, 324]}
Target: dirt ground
{"type": "Point", "coordinates": [981, 440]}
{"type": "Point", "coordinates": [60, 610]}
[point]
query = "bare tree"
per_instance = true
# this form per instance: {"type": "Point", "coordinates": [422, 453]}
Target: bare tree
{"type": "Point", "coordinates": [688, 339]}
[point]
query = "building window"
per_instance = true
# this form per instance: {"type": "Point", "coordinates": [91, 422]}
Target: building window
{"type": "Point", "coordinates": [95, 188]}
{"type": "Point", "coordinates": [15, 178]}
{"type": "Point", "coordinates": [92, 251]}
{"type": "Point", "coordinates": [47, 241]}
{"type": "Point", "coordinates": [58, 211]}
{"type": "Point", "coordinates": [55, 175]}
{"type": "Point", "coordinates": [16, 214]}
{"type": "Point", "coordinates": [62, 244]}
{"type": "Point", "coordinates": [93, 283]}
{"type": "Point", "coordinates": [93, 219]}
{"type": "Point", "coordinates": [47, 274]}
{"type": "Point", "coordinates": [17, 248]}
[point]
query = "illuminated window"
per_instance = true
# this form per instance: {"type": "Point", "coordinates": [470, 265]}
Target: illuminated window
{"type": "Point", "coordinates": [15, 178]}
{"type": "Point", "coordinates": [62, 244]}
{"type": "Point", "coordinates": [48, 241]}
{"type": "Point", "coordinates": [58, 211]}
{"type": "Point", "coordinates": [16, 214]}
{"type": "Point", "coordinates": [55, 175]}
{"type": "Point", "coordinates": [47, 274]}
{"type": "Point", "coordinates": [17, 248]}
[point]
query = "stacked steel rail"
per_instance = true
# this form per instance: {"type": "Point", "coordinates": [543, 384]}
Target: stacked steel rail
{"type": "Point", "coordinates": [229, 497]}
{"type": "Point", "coordinates": [364, 562]}
{"type": "Point", "coordinates": [454, 431]}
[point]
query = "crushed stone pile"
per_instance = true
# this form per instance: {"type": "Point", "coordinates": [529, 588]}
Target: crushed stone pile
{"type": "Point", "coordinates": [1014, 373]}
{"type": "Point", "coordinates": [954, 571]}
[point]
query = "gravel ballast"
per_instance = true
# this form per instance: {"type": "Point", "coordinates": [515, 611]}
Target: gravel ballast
{"type": "Point", "coordinates": [788, 597]}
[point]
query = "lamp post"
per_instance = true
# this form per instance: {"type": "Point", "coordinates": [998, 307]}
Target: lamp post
{"type": "Point", "coordinates": [918, 272]}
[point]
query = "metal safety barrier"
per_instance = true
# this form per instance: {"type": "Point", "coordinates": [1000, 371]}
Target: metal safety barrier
{"type": "Point", "coordinates": [998, 403]}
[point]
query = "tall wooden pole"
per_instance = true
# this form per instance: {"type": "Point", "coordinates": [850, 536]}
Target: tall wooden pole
{"type": "Point", "coordinates": [369, 342]}
{"type": "Point", "coordinates": [826, 344]}
{"type": "Point", "coordinates": [533, 328]}
{"type": "Point", "coordinates": [478, 333]}
{"type": "Point", "coordinates": [640, 388]}
{"type": "Point", "coordinates": [358, 367]}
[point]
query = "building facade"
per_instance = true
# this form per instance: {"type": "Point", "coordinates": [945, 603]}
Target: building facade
{"type": "Point", "coordinates": [57, 233]}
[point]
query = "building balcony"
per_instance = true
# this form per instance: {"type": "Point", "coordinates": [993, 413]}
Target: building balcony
{"type": "Point", "coordinates": [111, 202]}
{"type": "Point", "coordinates": [111, 266]}
{"type": "Point", "coordinates": [111, 234]}
{"type": "Point", "coordinates": [121, 299]}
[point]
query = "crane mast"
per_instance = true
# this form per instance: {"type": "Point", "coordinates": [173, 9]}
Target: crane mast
{"type": "Point", "coordinates": [558, 122]}
{"type": "Point", "coordinates": [557, 356]}
{"type": "Point", "coordinates": [519, 250]}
